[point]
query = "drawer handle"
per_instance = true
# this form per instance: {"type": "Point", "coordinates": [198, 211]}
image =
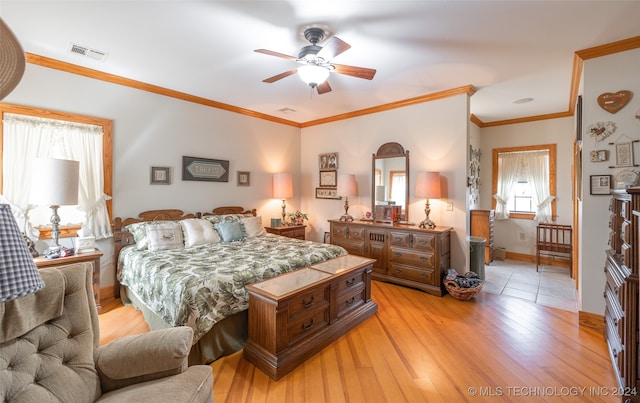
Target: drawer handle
{"type": "Point", "coordinates": [397, 254]}
{"type": "Point", "coordinates": [423, 259]}
{"type": "Point", "coordinates": [351, 301]}
{"type": "Point", "coordinates": [397, 271]}
{"type": "Point", "coordinates": [351, 282]}
{"type": "Point", "coordinates": [423, 275]}
{"type": "Point", "coordinates": [309, 326]}
{"type": "Point", "coordinates": [306, 303]}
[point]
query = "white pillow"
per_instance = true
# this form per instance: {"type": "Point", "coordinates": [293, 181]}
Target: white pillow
{"type": "Point", "coordinates": [198, 232]}
{"type": "Point", "coordinates": [252, 226]}
{"type": "Point", "coordinates": [167, 235]}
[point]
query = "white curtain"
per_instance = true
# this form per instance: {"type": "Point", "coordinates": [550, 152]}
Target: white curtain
{"type": "Point", "coordinates": [398, 188]}
{"type": "Point", "coordinates": [26, 138]}
{"type": "Point", "coordinates": [538, 163]}
{"type": "Point", "coordinates": [508, 169]}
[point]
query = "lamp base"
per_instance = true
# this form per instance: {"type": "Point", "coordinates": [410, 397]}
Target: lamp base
{"type": "Point", "coordinates": [427, 223]}
{"type": "Point", "coordinates": [347, 218]}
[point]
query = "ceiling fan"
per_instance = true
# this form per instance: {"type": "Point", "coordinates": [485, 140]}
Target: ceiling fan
{"type": "Point", "coordinates": [316, 61]}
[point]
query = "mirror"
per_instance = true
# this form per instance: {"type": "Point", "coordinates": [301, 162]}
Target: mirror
{"type": "Point", "coordinates": [390, 183]}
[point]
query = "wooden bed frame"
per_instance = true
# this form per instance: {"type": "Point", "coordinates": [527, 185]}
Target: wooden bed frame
{"type": "Point", "coordinates": [554, 240]}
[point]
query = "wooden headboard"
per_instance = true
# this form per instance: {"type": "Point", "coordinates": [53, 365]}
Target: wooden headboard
{"type": "Point", "coordinates": [122, 237]}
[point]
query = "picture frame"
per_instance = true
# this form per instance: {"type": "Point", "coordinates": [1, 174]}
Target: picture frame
{"type": "Point", "coordinates": [244, 178]}
{"type": "Point", "coordinates": [327, 193]}
{"type": "Point", "coordinates": [600, 184]}
{"type": "Point", "coordinates": [328, 178]}
{"type": "Point", "coordinates": [624, 154]}
{"type": "Point", "coordinates": [328, 161]}
{"type": "Point", "coordinates": [599, 155]}
{"type": "Point", "coordinates": [327, 237]}
{"type": "Point", "coordinates": [204, 169]}
{"type": "Point", "coordinates": [160, 176]}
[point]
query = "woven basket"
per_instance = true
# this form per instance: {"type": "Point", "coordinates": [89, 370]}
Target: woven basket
{"type": "Point", "coordinates": [460, 293]}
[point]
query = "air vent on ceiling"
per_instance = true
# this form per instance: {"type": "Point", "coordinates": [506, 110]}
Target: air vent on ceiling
{"type": "Point", "coordinates": [286, 110]}
{"type": "Point", "coordinates": [88, 52]}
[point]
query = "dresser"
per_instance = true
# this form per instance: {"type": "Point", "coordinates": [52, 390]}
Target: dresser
{"type": "Point", "coordinates": [290, 231]}
{"type": "Point", "coordinates": [404, 254]}
{"type": "Point", "coordinates": [621, 288]}
{"type": "Point", "coordinates": [295, 315]}
{"type": "Point", "coordinates": [482, 226]}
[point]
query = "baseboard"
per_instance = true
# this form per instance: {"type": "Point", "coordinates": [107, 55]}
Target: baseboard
{"type": "Point", "coordinates": [557, 261]}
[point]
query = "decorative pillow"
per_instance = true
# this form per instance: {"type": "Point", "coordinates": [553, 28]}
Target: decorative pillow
{"type": "Point", "coordinates": [139, 231]}
{"type": "Point", "coordinates": [164, 235]}
{"type": "Point", "coordinates": [225, 217]}
{"type": "Point", "coordinates": [252, 226]}
{"type": "Point", "coordinates": [230, 231]}
{"type": "Point", "coordinates": [198, 232]}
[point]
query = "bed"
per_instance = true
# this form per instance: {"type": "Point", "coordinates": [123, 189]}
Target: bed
{"type": "Point", "coordinates": [177, 275]}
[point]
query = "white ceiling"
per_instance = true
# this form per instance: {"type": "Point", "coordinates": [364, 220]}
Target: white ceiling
{"type": "Point", "coordinates": [508, 50]}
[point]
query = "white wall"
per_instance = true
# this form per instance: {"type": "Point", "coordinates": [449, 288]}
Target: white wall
{"type": "Point", "coordinates": [517, 235]}
{"type": "Point", "coordinates": [605, 74]}
{"type": "Point", "coordinates": [153, 130]}
{"type": "Point", "coordinates": [436, 135]}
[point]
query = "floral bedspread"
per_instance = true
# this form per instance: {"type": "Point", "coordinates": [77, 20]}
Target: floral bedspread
{"type": "Point", "coordinates": [201, 285]}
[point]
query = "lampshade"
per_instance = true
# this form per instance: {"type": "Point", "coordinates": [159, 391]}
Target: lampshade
{"type": "Point", "coordinates": [428, 185]}
{"type": "Point", "coordinates": [347, 185]}
{"type": "Point", "coordinates": [313, 75]}
{"type": "Point", "coordinates": [12, 60]}
{"type": "Point", "coordinates": [381, 193]}
{"type": "Point", "coordinates": [55, 182]}
{"type": "Point", "coordinates": [18, 273]}
{"type": "Point", "coordinates": [282, 186]}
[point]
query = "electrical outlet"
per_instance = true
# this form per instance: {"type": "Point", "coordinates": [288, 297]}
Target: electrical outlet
{"type": "Point", "coordinates": [449, 206]}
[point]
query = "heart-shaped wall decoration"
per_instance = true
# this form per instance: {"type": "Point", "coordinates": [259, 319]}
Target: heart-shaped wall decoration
{"type": "Point", "coordinates": [612, 103]}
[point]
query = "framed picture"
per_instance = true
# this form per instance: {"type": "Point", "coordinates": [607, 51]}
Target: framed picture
{"type": "Point", "coordinates": [160, 176]}
{"type": "Point", "coordinates": [328, 178]}
{"type": "Point", "coordinates": [328, 161]}
{"type": "Point", "coordinates": [600, 184]}
{"type": "Point", "coordinates": [327, 193]}
{"type": "Point", "coordinates": [327, 237]}
{"type": "Point", "coordinates": [244, 178]}
{"type": "Point", "coordinates": [624, 154]}
{"type": "Point", "coordinates": [599, 155]}
{"type": "Point", "coordinates": [204, 169]}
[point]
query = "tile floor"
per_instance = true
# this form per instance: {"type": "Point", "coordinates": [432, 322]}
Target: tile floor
{"type": "Point", "coordinates": [551, 286]}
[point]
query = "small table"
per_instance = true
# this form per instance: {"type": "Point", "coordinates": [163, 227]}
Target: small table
{"type": "Point", "coordinates": [290, 231]}
{"type": "Point", "coordinates": [93, 257]}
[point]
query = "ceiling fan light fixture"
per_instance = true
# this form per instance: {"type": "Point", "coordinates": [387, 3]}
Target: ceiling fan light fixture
{"type": "Point", "coordinates": [313, 75]}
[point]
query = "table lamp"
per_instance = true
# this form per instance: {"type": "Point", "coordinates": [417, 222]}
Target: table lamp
{"type": "Point", "coordinates": [55, 184]}
{"type": "Point", "coordinates": [19, 273]}
{"type": "Point", "coordinates": [282, 189]}
{"type": "Point", "coordinates": [428, 187]}
{"type": "Point", "coordinates": [346, 188]}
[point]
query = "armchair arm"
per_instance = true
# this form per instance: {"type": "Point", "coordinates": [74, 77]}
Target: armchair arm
{"type": "Point", "coordinates": [140, 358]}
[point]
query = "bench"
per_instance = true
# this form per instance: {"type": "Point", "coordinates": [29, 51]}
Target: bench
{"type": "Point", "coordinates": [554, 240]}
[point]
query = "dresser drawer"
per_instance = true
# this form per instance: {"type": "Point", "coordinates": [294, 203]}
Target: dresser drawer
{"type": "Point", "coordinates": [312, 300]}
{"type": "Point", "coordinates": [350, 282]}
{"type": "Point", "coordinates": [354, 248]}
{"type": "Point", "coordinates": [356, 233]}
{"type": "Point", "coordinates": [402, 239]}
{"type": "Point", "coordinates": [413, 257]}
{"type": "Point", "coordinates": [307, 325]}
{"type": "Point", "coordinates": [352, 300]}
{"type": "Point", "coordinates": [426, 276]}
{"type": "Point", "coordinates": [424, 242]}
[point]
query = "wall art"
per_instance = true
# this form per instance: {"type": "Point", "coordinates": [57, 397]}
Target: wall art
{"type": "Point", "coordinates": [624, 154]}
{"type": "Point", "coordinates": [327, 193]}
{"type": "Point", "coordinates": [600, 184]}
{"type": "Point", "coordinates": [328, 178]}
{"type": "Point", "coordinates": [204, 169]}
{"type": "Point", "coordinates": [601, 130]}
{"type": "Point", "coordinates": [613, 102]}
{"type": "Point", "coordinates": [244, 178]}
{"type": "Point", "coordinates": [599, 155]}
{"type": "Point", "coordinates": [328, 161]}
{"type": "Point", "coordinates": [160, 175]}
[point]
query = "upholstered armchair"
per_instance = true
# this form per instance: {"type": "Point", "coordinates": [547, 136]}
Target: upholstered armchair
{"type": "Point", "coordinates": [49, 351]}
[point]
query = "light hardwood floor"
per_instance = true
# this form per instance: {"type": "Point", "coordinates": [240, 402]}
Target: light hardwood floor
{"type": "Point", "coordinates": [421, 348]}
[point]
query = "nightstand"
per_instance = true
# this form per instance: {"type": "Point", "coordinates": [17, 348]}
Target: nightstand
{"type": "Point", "coordinates": [93, 257]}
{"type": "Point", "coordinates": [290, 231]}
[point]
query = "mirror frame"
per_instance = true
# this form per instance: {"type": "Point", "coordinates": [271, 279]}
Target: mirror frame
{"type": "Point", "coordinates": [390, 150]}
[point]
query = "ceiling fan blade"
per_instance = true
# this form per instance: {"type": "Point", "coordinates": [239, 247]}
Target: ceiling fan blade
{"type": "Point", "coordinates": [279, 76]}
{"type": "Point", "coordinates": [333, 48]}
{"type": "Point", "coordinates": [360, 72]}
{"type": "Point", "coordinates": [272, 53]}
{"type": "Point", "coordinates": [323, 88]}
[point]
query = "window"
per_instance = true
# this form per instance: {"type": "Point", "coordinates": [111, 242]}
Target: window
{"type": "Point", "coordinates": [18, 195]}
{"type": "Point", "coordinates": [397, 179]}
{"type": "Point", "coordinates": [524, 182]}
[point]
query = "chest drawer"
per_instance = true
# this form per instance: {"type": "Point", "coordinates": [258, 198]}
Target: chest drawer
{"type": "Point", "coordinates": [307, 302]}
{"type": "Point", "coordinates": [426, 276]}
{"type": "Point", "coordinates": [413, 257]}
{"type": "Point", "coordinates": [351, 300]}
{"type": "Point", "coordinates": [307, 325]}
{"type": "Point", "coordinates": [350, 282]}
